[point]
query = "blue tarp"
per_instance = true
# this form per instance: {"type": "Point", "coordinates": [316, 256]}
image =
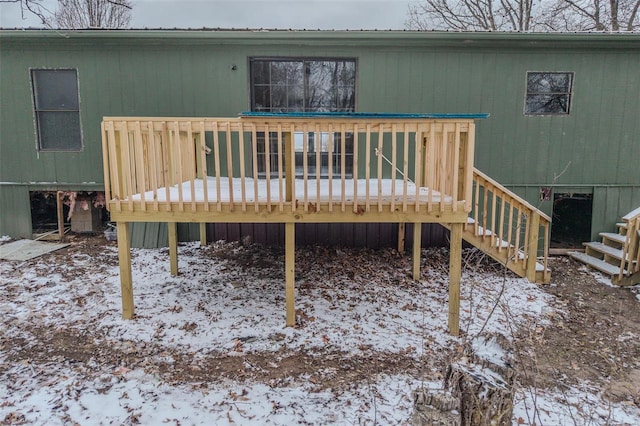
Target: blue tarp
{"type": "Point", "coordinates": [362, 115]}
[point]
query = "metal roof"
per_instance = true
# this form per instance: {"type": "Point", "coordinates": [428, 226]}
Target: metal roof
{"type": "Point", "coordinates": [334, 37]}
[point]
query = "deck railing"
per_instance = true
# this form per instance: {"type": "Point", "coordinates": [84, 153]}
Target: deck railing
{"type": "Point", "coordinates": [243, 164]}
{"type": "Point", "coordinates": [514, 230]}
{"type": "Point", "coordinates": [630, 262]}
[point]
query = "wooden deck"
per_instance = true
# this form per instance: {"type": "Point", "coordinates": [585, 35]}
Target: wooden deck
{"type": "Point", "coordinates": [413, 168]}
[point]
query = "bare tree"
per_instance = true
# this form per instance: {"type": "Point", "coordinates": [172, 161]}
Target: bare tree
{"type": "Point", "coordinates": [596, 15]}
{"type": "Point", "coordinates": [77, 14]}
{"type": "Point", "coordinates": [34, 7]}
{"type": "Point", "coordinates": [525, 15]}
{"type": "Point", "coordinates": [474, 15]}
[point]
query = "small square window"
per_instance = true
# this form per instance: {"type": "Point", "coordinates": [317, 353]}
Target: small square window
{"type": "Point", "coordinates": [548, 93]}
{"type": "Point", "coordinates": [57, 109]}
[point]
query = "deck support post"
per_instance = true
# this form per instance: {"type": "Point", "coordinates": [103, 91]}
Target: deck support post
{"type": "Point", "coordinates": [401, 237]}
{"type": "Point", "coordinates": [172, 231]}
{"type": "Point", "coordinates": [60, 214]}
{"type": "Point", "coordinates": [417, 244]}
{"type": "Point", "coordinates": [124, 259]}
{"type": "Point", "coordinates": [532, 243]}
{"type": "Point", "coordinates": [289, 266]}
{"type": "Point", "coordinates": [203, 234]}
{"type": "Point", "coordinates": [455, 273]}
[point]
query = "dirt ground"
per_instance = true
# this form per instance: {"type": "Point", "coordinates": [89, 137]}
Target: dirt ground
{"type": "Point", "coordinates": [594, 338]}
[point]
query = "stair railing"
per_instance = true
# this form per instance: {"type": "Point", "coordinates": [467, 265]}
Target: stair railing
{"type": "Point", "coordinates": [514, 228]}
{"type": "Point", "coordinates": [631, 248]}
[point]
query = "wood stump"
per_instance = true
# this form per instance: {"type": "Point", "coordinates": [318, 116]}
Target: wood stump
{"type": "Point", "coordinates": [435, 409]}
{"type": "Point", "coordinates": [478, 391]}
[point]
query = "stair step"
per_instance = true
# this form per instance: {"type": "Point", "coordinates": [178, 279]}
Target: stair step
{"type": "Point", "coordinates": [622, 225]}
{"type": "Point", "coordinates": [620, 239]}
{"type": "Point", "coordinates": [596, 263]}
{"type": "Point", "coordinates": [604, 249]}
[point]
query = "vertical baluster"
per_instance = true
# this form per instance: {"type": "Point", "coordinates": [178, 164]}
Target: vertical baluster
{"type": "Point", "coordinates": [126, 160]}
{"type": "Point", "coordinates": [229, 164]}
{"type": "Point", "coordinates": [494, 234]}
{"type": "Point", "coordinates": [405, 167]}
{"type": "Point", "coordinates": [153, 156]}
{"type": "Point", "coordinates": [418, 167]}
{"type": "Point", "coordinates": [330, 165]}
{"type": "Point", "coordinates": [355, 168]}
{"type": "Point", "coordinates": [203, 162]}
{"type": "Point", "coordinates": [254, 143]}
{"type": "Point", "coordinates": [305, 167]}
{"type": "Point", "coordinates": [178, 163]}
{"type": "Point", "coordinates": [105, 166]}
{"type": "Point", "coordinates": [469, 164]}
{"type": "Point", "coordinates": [501, 226]}
{"type": "Point", "coordinates": [216, 153]}
{"type": "Point", "coordinates": [191, 161]}
{"type": "Point", "coordinates": [115, 166]}
{"type": "Point", "coordinates": [444, 172]}
{"type": "Point", "coordinates": [394, 143]}
{"type": "Point", "coordinates": [430, 174]}
{"type": "Point", "coordinates": [485, 209]}
{"type": "Point", "coordinates": [267, 166]}
{"type": "Point", "coordinates": [456, 168]}
{"type": "Point", "coordinates": [343, 165]}
{"type": "Point", "coordinates": [380, 158]}
{"type": "Point", "coordinates": [367, 163]}
{"type": "Point", "coordinates": [318, 147]}
{"type": "Point", "coordinates": [518, 231]}
{"type": "Point", "coordinates": [525, 238]}
{"type": "Point", "coordinates": [280, 181]}
{"type": "Point", "coordinates": [243, 175]}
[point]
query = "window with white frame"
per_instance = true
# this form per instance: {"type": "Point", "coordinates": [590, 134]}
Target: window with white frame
{"type": "Point", "coordinates": [548, 93]}
{"type": "Point", "coordinates": [57, 109]}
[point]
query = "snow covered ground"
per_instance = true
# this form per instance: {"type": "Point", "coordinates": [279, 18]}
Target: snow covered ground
{"type": "Point", "coordinates": [227, 306]}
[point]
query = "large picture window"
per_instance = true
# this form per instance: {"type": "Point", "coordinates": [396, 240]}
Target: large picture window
{"type": "Point", "coordinates": [306, 85]}
{"type": "Point", "coordinates": [548, 93]}
{"type": "Point", "coordinates": [57, 109]}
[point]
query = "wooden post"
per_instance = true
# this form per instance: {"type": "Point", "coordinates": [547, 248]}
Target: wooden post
{"type": "Point", "coordinates": [172, 231]}
{"type": "Point", "coordinates": [124, 259]}
{"type": "Point", "coordinates": [289, 266]}
{"type": "Point", "coordinates": [203, 234]}
{"type": "Point", "coordinates": [455, 273]}
{"type": "Point", "coordinates": [401, 237]}
{"type": "Point", "coordinates": [60, 211]}
{"type": "Point", "coordinates": [534, 234]}
{"type": "Point", "coordinates": [417, 243]}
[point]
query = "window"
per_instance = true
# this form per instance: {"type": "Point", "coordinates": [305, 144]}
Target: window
{"type": "Point", "coordinates": [548, 93]}
{"type": "Point", "coordinates": [285, 85]}
{"type": "Point", "coordinates": [57, 109]}
{"type": "Point", "coordinates": [305, 85]}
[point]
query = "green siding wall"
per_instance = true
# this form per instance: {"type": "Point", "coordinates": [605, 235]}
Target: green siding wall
{"type": "Point", "coordinates": [178, 74]}
{"type": "Point", "coordinates": [15, 211]}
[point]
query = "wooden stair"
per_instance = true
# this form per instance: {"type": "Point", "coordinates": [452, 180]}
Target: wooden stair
{"type": "Point", "coordinates": [510, 230]}
{"type": "Point", "coordinates": [618, 254]}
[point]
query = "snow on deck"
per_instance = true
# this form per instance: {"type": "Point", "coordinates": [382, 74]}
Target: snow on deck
{"type": "Point", "coordinates": [320, 190]}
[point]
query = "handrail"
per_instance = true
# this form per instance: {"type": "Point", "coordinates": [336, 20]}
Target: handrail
{"type": "Point", "coordinates": [513, 227]}
{"type": "Point", "coordinates": [245, 162]}
{"type": "Point", "coordinates": [630, 262]}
